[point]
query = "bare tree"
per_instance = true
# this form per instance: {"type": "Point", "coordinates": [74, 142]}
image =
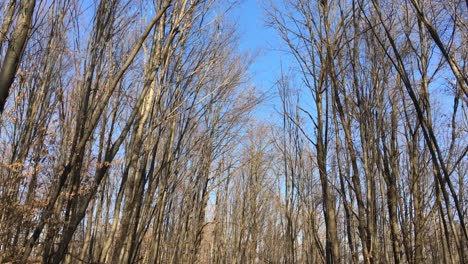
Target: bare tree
{"type": "Point", "coordinates": [129, 134]}
{"type": "Point", "coordinates": [16, 45]}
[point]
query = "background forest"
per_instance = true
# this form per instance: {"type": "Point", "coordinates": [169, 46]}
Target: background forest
{"type": "Point", "coordinates": [132, 131]}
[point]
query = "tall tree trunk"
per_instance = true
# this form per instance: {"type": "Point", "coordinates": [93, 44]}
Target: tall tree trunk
{"type": "Point", "coordinates": [15, 49]}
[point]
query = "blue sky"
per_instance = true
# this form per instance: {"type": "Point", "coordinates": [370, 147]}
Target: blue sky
{"type": "Point", "coordinates": [262, 42]}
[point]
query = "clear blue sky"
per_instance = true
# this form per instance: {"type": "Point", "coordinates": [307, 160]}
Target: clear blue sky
{"type": "Point", "coordinates": [262, 42]}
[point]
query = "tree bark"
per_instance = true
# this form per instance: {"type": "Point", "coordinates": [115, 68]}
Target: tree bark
{"type": "Point", "coordinates": [15, 50]}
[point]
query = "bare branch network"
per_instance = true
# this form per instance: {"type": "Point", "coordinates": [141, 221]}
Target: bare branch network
{"type": "Point", "coordinates": [131, 132]}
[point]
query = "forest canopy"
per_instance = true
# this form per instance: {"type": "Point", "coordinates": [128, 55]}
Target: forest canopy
{"type": "Point", "coordinates": [135, 132]}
